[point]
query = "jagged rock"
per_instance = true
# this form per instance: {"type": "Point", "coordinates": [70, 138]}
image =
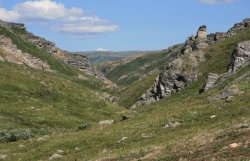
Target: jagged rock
{"type": "Point", "coordinates": [239, 26]}
{"type": "Point", "coordinates": [197, 42]}
{"type": "Point", "coordinates": [202, 32]}
{"type": "Point", "coordinates": [187, 49]}
{"type": "Point", "coordinates": [183, 69]}
{"type": "Point", "coordinates": [240, 57]}
{"type": "Point", "coordinates": [81, 62]}
{"type": "Point", "coordinates": [210, 81]}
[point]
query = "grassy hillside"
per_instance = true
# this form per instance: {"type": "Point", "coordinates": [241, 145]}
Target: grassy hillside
{"type": "Point", "coordinates": [35, 99]}
{"type": "Point", "coordinates": [206, 127]}
{"type": "Point", "coordinates": [97, 57]}
{"type": "Point", "coordinates": [127, 73]}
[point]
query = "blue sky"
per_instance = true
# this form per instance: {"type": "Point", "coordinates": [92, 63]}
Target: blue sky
{"type": "Point", "coordinates": [84, 25]}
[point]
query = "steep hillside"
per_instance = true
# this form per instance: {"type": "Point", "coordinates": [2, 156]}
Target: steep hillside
{"type": "Point", "coordinates": [185, 126]}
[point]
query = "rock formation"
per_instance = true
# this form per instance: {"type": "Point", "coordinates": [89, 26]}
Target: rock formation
{"type": "Point", "coordinates": [240, 57]}
{"type": "Point", "coordinates": [197, 42]}
{"type": "Point", "coordinates": [10, 53]}
{"type": "Point", "coordinates": [183, 70]}
{"type": "Point", "coordinates": [210, 81]}
{"type": "Point", "coordinates": [17, 56]}
{"type": "Point", "coordinates": [180, 72]}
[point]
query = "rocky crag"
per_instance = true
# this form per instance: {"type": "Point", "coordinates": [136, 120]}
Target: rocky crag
{"type": "Point", "coordinates": [184, 68]}
{"type": "Point", "coordinates": [12, 54]}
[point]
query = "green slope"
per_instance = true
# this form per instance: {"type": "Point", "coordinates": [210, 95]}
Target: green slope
{"type": "Point", "coordinates": [127, 73]}
{"type": "Point", "coordinates": [199, 137]}
{"type": "Point", "coordinates": [36, 99]}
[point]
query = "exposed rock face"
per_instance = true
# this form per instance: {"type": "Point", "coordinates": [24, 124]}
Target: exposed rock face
{"type": "Point", "coordinates": [196, 42]}
{"type": "Point", "coordinates": [183, 70]}
{"type": "Point", "coordinates": [81, 62]}
{"type": "Point", "coordinates": [180, 72]}
{"type": "Point", "coordinates": [210, 81]}
{"type": "Point", "coordinates": [11, 54]}
{"type": "Point", "coordinates": [240, 57]}
{"type": "Point", "coordinates": [174, 77]}
{"type": "Point", "coordinates": [239, 26]}
{"type": "Point", "coordinates": [43, 44]}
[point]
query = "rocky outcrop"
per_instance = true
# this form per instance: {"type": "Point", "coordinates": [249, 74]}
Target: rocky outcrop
{"type": "Point", "coordinates": [210, 81]}
{"type": "Point", "coordinates": [240, 57]}
{"type": "Point", "coordinates": [197, 42]}
{"type": "Point", "coordinates": [239, 26]}
{"type": "Point", "coordinates": [180, 72]}
{"type": "Point", "coordinates": [9, 25]}
{"type": "Point", "coordinates": [81, 62]}
{"type": "Point", "coordinates": [10, 53]}
{"type": "Point", "coordinates": [183, 70]}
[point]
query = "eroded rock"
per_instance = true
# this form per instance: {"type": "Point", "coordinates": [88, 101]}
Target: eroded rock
{"type": "Point", "coordinates": [240, 57]}
{"type": "Point", "coordinates": [210, 81]}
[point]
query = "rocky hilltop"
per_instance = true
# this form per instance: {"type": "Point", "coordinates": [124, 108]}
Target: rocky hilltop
{"type": "Point", "coordinates": [184, 68]}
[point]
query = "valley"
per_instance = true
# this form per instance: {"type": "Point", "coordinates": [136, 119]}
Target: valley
{"type": "Point", "coordinates": [187, 102]}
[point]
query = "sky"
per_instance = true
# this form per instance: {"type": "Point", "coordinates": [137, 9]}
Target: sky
{"type": "Point", "coordinates": [122, 25]}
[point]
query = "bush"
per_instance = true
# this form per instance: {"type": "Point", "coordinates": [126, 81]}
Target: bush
{"type": "Point", "coordinates": [83, 127]}
{"type": "Point", "coordinates": [13, 135]}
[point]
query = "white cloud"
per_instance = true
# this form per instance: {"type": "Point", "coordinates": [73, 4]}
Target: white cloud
{"type": "Point", "coordinates": [216, 1]}
{"type": "Point", "coordinates": [8, 15]}
{"type": "Point", "coordinates": [101, 49]}
{"type": "Point", "coordinates": [92, 29]}
{"type": "Point", "coordinates": [72, 21]}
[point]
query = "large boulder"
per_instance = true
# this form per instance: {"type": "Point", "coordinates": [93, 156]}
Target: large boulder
{"type": "Point", "coordinates": [240, 57]}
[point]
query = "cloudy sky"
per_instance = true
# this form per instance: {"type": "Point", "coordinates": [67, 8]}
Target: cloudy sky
{"type": "Point", "coordinates": [84, 25]}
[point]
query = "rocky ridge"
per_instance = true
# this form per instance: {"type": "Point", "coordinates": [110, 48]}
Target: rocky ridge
{"type": "Point", "coordinates": [16, 56]}
{"type": "Point", "coordinates": [183, 69]}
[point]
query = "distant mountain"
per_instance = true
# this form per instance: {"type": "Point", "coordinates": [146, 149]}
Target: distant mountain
{"type": "Point", "coordinates": [97, 57]}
